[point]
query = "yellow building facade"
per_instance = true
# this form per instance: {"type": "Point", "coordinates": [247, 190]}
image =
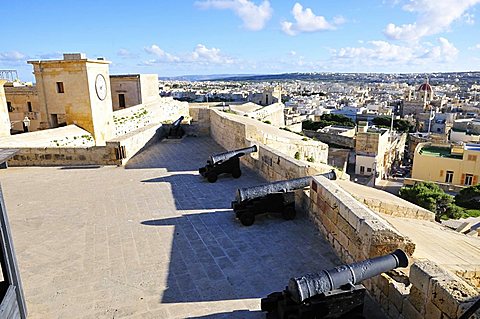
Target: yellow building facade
{"type": "Point", "coordinates": [76, 90]}
{"type": "Point", "coordinates": [447, 164]}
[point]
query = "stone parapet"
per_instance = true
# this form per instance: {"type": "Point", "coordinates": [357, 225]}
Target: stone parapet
{"type": "Point", "coordinates": [116, 152]}
{"type": "Point", "coordinates": [437, 293]}
{"type": "Point", "coordinates": [398, 210]}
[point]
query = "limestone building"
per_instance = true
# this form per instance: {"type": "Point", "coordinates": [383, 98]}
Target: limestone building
{"type": "Point", "coordinates": [76, 90]}
{"type": "Point", "coordinates": [268, 96]}
{"type": "Point", "coordinates": [22, 101]}
{"type": "Point", "coordinates": [457, 165]}
{"type": "Point", "coordinates": [133, 89]}
{"type": "Point", "coordinates": [419, 101]}
{"type": "Point", "coordinates": [4, 119]}
{"type": "Point", "coordinates": [377, 150]}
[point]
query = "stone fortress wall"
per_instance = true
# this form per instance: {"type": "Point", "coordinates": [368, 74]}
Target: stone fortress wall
{"type": "Point", "coordinates": [135, 128]}
{"type": "Point", "coordinates": [356, 232]}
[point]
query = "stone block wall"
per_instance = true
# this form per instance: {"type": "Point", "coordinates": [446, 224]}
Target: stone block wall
{"type": "Point", "coordinates": [200, 124]}
{"type": "Point", "coordinates": [56, 156]}
{"type": "Point", "coordinates": [133, 142]}
{"type": "Point", "coordinates": [423, 290]}
{"type": "Point", "coordinates": [437, 293]}
{"type": "Point", "coordinates": [340, 140]}
{"type": "Point", "coordinates": [355, 232]}
{"type": "Point", "coordinates": [393, 209]}
{"type": "Point", "coordinates": [116, 152]}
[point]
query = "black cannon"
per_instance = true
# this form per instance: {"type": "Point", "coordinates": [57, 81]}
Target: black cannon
{"type": "Point", "coordinates": [334, 293]}
{"type": "Point", "coordinates": [276, 197]}
{"type": "Point", "coordinates": [176, 130]}
{"type": "Point", "coordinates": [227, 162]}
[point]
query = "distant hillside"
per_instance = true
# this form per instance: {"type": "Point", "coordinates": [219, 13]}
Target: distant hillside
{"type": "Point", "coordinates": [411, 78]}
{"type": "Point", "coordinates": [205, 77]}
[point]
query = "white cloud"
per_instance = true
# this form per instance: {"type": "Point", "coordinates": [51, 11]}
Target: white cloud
{"type": "Point", "coordinates": [200, 55]}
{"type": "Point", "coordinates": [445, 52]}
{"type": "Point", "coordinates": [124, 53]}
{"type": "Point", "coordinates": [383, 53]}
{"type": "Point", "coordinates": [433, 17]}
{"type": "Point", "coordinates": [12, 56]}
{"type": "Point", "coordinates": [254, 16]}
{"type": "Point", "coordinates": [161, 56]}
{"type": "Point", "coordinates": [307, 21]}
{"type": "Point", "coordinates": [203, 54]}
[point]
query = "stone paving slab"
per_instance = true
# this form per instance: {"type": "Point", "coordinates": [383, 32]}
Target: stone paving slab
{"type": "Point", "coordinates": [152, 240]}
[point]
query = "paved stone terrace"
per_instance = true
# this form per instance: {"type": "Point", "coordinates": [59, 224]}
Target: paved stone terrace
{"type": "Point", "coordinates": [153, 240]}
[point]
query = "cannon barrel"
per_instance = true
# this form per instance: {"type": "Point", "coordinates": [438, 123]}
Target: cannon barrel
{"type": "Point", "coordinates": [248, 193]}
{"type": "Point", "coordinates": [304, 287]}
{"type": "Point", "coordinates": [178, 122]}
{"type": "Point", "coordinates": [221, 157]}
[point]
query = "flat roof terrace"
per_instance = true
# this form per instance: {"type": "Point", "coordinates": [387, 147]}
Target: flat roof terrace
{"type": "Point", "coordinates": [153, 240]}
{"type": "Point", "coordinates": [438, 151]}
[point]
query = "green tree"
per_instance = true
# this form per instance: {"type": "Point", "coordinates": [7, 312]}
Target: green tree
{"type": "Point", "coordinates": [326, 120]}
{"type": "Point", "coordinates": [429, 196]}
{"type": "Point", "coordinates": [399, 125]}
{"type": "Point", "coordinates": [469, 197]}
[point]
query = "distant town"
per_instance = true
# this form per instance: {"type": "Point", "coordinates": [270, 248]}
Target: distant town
{"type": "Point", "coordinates": [372, 162]}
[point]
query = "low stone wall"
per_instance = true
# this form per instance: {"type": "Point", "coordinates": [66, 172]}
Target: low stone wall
{"type": "Point", "coordinates": [233, 131]}
{"type": "Point", "coordinates": [63, 156]}
{"type": "Point", "coordinates": [340, 140]}
{"type": "Point", "coordinates": [396, 210]}
{"type": "Point", "coordinates": [126, 146]}
{"type": "Point", "coordinates": [356, 233]}
{"type": "Point", "coordinates": [436, 293]}
{"type": "Point", "coordinates": [200, 124]}
{"type": "Point", "coordinates": [354, 230]}
{"type": "Point", "coordinates": [116, 152]}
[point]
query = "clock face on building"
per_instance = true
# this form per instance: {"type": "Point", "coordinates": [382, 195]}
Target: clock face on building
{"type": "Point", "coordinates": [101, 87]}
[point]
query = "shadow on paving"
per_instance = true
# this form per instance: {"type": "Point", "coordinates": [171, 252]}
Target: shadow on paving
{"type": "Point", "coordinates": [213, 257]}
{"type": "Point", "coordinates": [191, 191]}
{"type": "Point", "coordinates": [188, 154]}
{"type": "Point", "coordinates": [237, 314]}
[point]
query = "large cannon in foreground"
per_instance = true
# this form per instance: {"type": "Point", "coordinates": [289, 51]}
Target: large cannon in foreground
{"type": "Point", "coordinates": [226, 162]}
{"type": "Point", "coordinates": [176, 130]}
{"type": "Point", "coordinates": [276, 197]}
{"type": "Point", "coordinates": [334, 293]}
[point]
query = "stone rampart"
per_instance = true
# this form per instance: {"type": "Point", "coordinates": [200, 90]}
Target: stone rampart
{"type": "Point", "coordinates": [116, 152]}
{"type": "Point", "coordinates": [355, 232]}
{"type": "Point", "coordinates": [340, 140]}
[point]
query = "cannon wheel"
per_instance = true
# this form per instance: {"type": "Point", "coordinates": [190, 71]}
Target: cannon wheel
{"type": "Point", "coordinates": [237, 173]}
{"type": "Point", "coordinates": [289, 213]}
{"type": "Point", "coordinates": [247, 218]}
{"type": "Point", "coordinates": [212, 177]}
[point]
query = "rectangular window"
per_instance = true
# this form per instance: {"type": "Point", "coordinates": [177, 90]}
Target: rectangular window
{"type": "Point", "coordinates": [29, 105]}
{"type": "Point", "coordinates": [9, 106]}
{"type": "Point", "coordinates": [449, 177]}
{"type": "Point", "coordinates": [362, 169]}
{"type": "Point", "coordinates": [472, 157]}
{"type": "Point", "coordinates": [468, 179]}
{"type": "Point", "coordinates": [60, 87]}
{"type": "Point", "coordinates": [369, 170]}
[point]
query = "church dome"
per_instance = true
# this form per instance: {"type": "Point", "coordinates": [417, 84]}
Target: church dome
{"type": "Point", "coordinates": [425, 87]}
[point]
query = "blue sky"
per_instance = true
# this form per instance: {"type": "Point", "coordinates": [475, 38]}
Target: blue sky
{"type": "Point", "coordinates": [242, 36]}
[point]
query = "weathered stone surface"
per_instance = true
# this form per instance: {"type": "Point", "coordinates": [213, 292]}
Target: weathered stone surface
{"type": "Point", "coordinates": [150, 241]}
